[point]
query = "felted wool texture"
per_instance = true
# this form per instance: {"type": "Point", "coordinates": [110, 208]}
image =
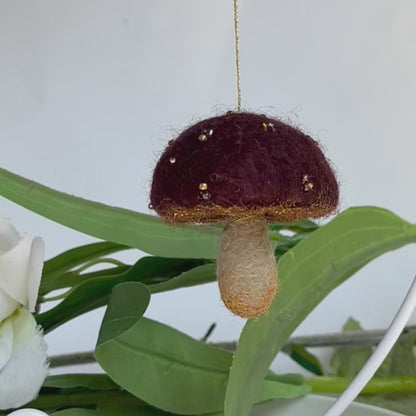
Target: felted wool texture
{"type": "Point", "coordinates": [246, 268]}
{"type": "Point", "coordinates": [243, 164]}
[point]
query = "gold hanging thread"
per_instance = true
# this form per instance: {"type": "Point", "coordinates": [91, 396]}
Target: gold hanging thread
{"type": "Point", "coordinates": [237, 55]}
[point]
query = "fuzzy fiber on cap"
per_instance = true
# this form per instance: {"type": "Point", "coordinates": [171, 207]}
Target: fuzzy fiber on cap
{"type": "Point", "coordinates": [239, 165]}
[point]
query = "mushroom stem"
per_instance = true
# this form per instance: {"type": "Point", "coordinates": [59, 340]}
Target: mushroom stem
{"type": "Point", "coordinates": [246, 267]}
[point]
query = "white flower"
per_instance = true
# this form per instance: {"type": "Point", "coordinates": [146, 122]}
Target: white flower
{"type": "Point", "coordinates": [28, 412]}
{"type": "Point", "coordinates": [21, 261]}
{"type": "Point", "coordinates": [23, 360]}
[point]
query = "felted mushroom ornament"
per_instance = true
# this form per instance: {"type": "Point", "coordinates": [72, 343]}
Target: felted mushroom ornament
{"type": "Point", "coordinates": [244, 170]}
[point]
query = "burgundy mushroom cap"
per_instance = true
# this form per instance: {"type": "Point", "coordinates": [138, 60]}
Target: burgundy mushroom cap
{"type": "Point", "coordinates": [243, 165]}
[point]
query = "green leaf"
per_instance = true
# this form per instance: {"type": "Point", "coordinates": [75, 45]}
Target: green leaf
{"type": "Point", "coordinates": [190, 375]}
{"type": "Point", "coordinates": [128, 303]}
{"type": "Point", "coordinates": [117, 410]}
{"type": "Point", "coordinates": [69, 280]}
{"type": "Point", "coordinates": [348, 361]}
{"type": "Point", "coordinates": [94, 291]}
{"type": "Point", "coordinates": [400, 363]}
{"type": "Point", "coordinates": [89, 381]}
{"type": "Point", "coordinates": [393, 381]}
{"type": "Point", "coordinates": [351, 325]}
{"type": "Point", "coordinates": [54, 268]}
{"type": "Point", "coordinates": [197, 276]}
{"type": "Point", "coordinates": [53, 399]}
{"type": "Point", "coordinates": [86, 296]}
{"type": "Point", "coordinates": [282, 242]}
{"type": "Point", "coordinates": [304, 358]}
{"type": "Point", "coordinates": [285, 244]}
{"type": "Point", "coordinates": [401, 359]}
{"type": "Point", "coordinates": [129, 228]}
{"type": "Point", "coordinates": [308, 273]}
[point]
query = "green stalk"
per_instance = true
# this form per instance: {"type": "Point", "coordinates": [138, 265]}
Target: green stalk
{"type": "Point", "coordinates": [378, 385]}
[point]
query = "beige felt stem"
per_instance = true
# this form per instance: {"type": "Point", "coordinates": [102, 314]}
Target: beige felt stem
{"type": "Point", "coordinates": [246, 268]}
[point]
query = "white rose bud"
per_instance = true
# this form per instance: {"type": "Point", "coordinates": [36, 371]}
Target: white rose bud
{"type": "Point", "coordinates": [21, 262]}
{"type": "Point", "coordinates": [23, 360]}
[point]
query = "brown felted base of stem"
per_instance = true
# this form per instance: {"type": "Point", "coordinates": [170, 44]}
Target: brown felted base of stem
{"type": "Point", "coordinates": [246, 268]}
{"type": "Point", "coordinates": [217, 213]}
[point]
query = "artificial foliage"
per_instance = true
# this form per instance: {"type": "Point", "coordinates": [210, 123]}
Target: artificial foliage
{"type": "Point", "coordinates": [145, 361]}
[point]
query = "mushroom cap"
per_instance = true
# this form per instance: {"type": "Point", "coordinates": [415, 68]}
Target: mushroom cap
{"type": "Point", "coordinates": [239, 165]}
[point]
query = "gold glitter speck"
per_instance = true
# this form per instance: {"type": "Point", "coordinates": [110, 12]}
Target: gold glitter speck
{"type": "Point", "coordinates": [203, 137]}
{"type": "Point", "coordinates": [268, 127]}
{"type": "Point", "coordinates": [203, 186]}
{"type": "Point", "coordinates": [206, 195]}
{"type": "Point", "coordinates": [307, 184]}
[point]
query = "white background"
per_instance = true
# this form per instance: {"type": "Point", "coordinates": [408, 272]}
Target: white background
{"type": "Point", "coordinates": [91, 91]}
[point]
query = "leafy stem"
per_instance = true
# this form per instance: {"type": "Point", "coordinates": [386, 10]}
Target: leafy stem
{"type": "Point", "coordinates": [378, 385]}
